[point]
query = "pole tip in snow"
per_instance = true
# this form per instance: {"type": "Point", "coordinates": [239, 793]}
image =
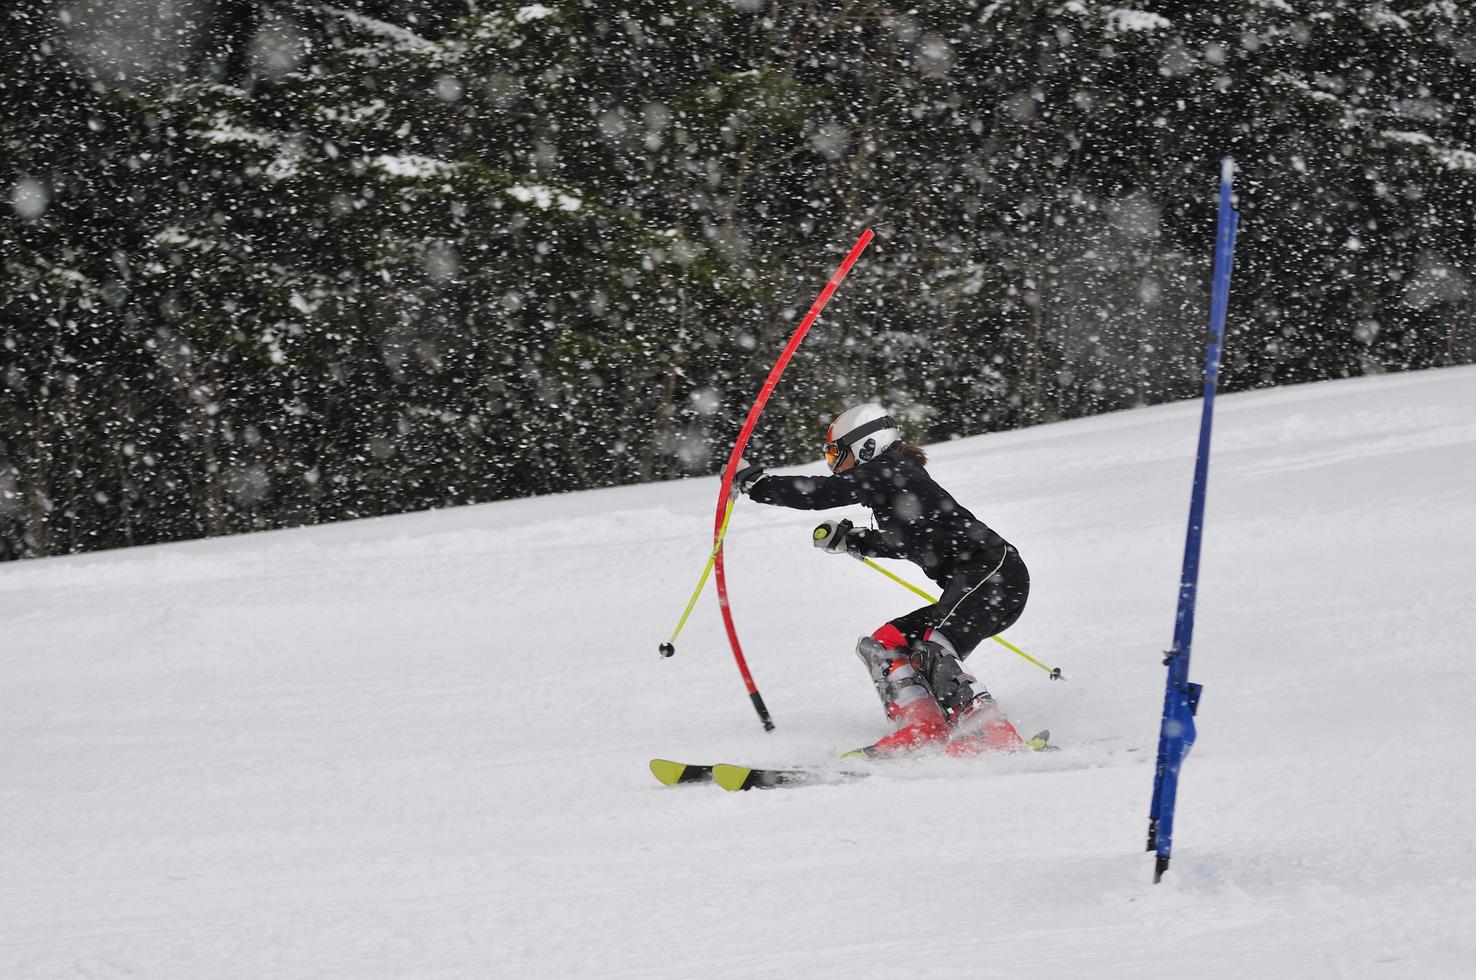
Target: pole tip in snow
{"type": "Point", "coordinates": [667, 650]}
{"type": "Point", "coordinates": [763, 711]}
{"type": "Point", "coordinates": [1056, 674]}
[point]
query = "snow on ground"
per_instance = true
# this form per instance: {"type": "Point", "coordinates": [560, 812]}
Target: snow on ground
{"type": "Point", "coordinates": [416, 747]}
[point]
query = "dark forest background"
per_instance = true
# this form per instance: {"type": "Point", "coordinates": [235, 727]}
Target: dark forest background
{"type": "Point", "coordinates": [275, 263]}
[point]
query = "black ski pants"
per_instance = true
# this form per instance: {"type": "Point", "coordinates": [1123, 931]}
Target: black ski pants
{"type": "Point", "coordinates": [977, 603]}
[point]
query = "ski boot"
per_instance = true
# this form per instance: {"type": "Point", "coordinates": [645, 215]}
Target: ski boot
{"type": "Point", "coordinates": [907, 698]}
{"type": "Point", "coordinates": [976, 724]}
{"type": "Point", "coordinates": [980, 727]}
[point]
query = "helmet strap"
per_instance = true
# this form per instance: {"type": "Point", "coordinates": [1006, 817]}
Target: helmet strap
{"type": "Point", "coordinates": [862, 431]}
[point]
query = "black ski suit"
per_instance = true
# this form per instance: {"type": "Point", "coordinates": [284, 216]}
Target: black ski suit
{"type": "Point", "coordinates": [985, 582]}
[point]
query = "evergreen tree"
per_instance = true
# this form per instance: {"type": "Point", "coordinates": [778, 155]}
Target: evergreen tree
{"type": "Point", "coordinates": [275, 264]}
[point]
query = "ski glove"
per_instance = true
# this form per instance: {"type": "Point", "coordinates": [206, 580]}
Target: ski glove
{"type": "Point", "coordinates": [748, 474]}
{"type": "Point", "coordinates": [837, 538]}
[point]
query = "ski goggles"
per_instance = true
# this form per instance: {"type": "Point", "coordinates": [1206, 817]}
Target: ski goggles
{"type": "Point", "coordinates": [836, 450]}
{"type": "Point", "coordinates": [834, 453]}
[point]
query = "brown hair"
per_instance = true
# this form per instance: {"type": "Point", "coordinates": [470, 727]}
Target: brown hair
{"type": "Point", "coordinates": [919, 455]}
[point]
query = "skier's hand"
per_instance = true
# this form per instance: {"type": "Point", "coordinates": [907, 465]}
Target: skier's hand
{"type": "Point", "coordinates": [832, 537]}
{"type": "Point", "coordinates": [748, 474]}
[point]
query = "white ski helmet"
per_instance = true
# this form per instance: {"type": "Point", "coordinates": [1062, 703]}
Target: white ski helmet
{"type": "Point", "coordinates": [863, 431]}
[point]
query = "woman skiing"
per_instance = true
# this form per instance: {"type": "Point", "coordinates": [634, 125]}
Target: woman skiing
{"type": "Point", "coordinates": [915, 660]}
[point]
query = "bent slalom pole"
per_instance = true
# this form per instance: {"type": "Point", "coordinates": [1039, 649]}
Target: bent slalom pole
{"type": "Point", "coordinates": [1054, 672]}
{"type": "Point", "coordinates": [727, 500]}
{"type": "Point", "coordinates": [725, 494]}
{"type": "Point", "coordinates": [668, 649]}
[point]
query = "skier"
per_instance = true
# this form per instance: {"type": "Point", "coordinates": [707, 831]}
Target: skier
{"type": "Point", "coordinates": [915, 660]}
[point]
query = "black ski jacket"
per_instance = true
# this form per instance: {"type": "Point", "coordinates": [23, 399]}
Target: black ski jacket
{"type": "Point", "coordinates": [916, 519]}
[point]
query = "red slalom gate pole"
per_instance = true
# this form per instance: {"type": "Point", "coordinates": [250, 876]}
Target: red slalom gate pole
{"type": "Point", "coordinates": [732, 468]}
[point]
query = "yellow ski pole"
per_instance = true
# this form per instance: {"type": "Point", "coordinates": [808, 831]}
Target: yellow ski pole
{"type": "Point", "coordinates": [898, 579]}
{"type": "Point", "coordinates": [1054, 672]}
{"type": "Point", "coordinates": [668, 648]}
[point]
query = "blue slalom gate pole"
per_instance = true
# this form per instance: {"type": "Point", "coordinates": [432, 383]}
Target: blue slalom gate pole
{"type": "Point", "coordinates": [1180, 697]}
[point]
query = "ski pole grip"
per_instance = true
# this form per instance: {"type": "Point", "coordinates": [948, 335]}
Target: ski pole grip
{"type": "Point", "coordinates": [831, 536]}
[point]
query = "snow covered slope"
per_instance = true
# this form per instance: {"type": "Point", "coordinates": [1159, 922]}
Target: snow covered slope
{"type": "Point", "coordinates": [416, 747]}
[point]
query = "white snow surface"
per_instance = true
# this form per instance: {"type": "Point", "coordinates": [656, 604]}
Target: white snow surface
{"type": "Point", "coordinates": [417, 746]}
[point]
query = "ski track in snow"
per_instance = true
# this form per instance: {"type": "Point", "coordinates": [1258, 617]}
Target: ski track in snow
{"type": "Point", "coordinates": [417, 746]}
